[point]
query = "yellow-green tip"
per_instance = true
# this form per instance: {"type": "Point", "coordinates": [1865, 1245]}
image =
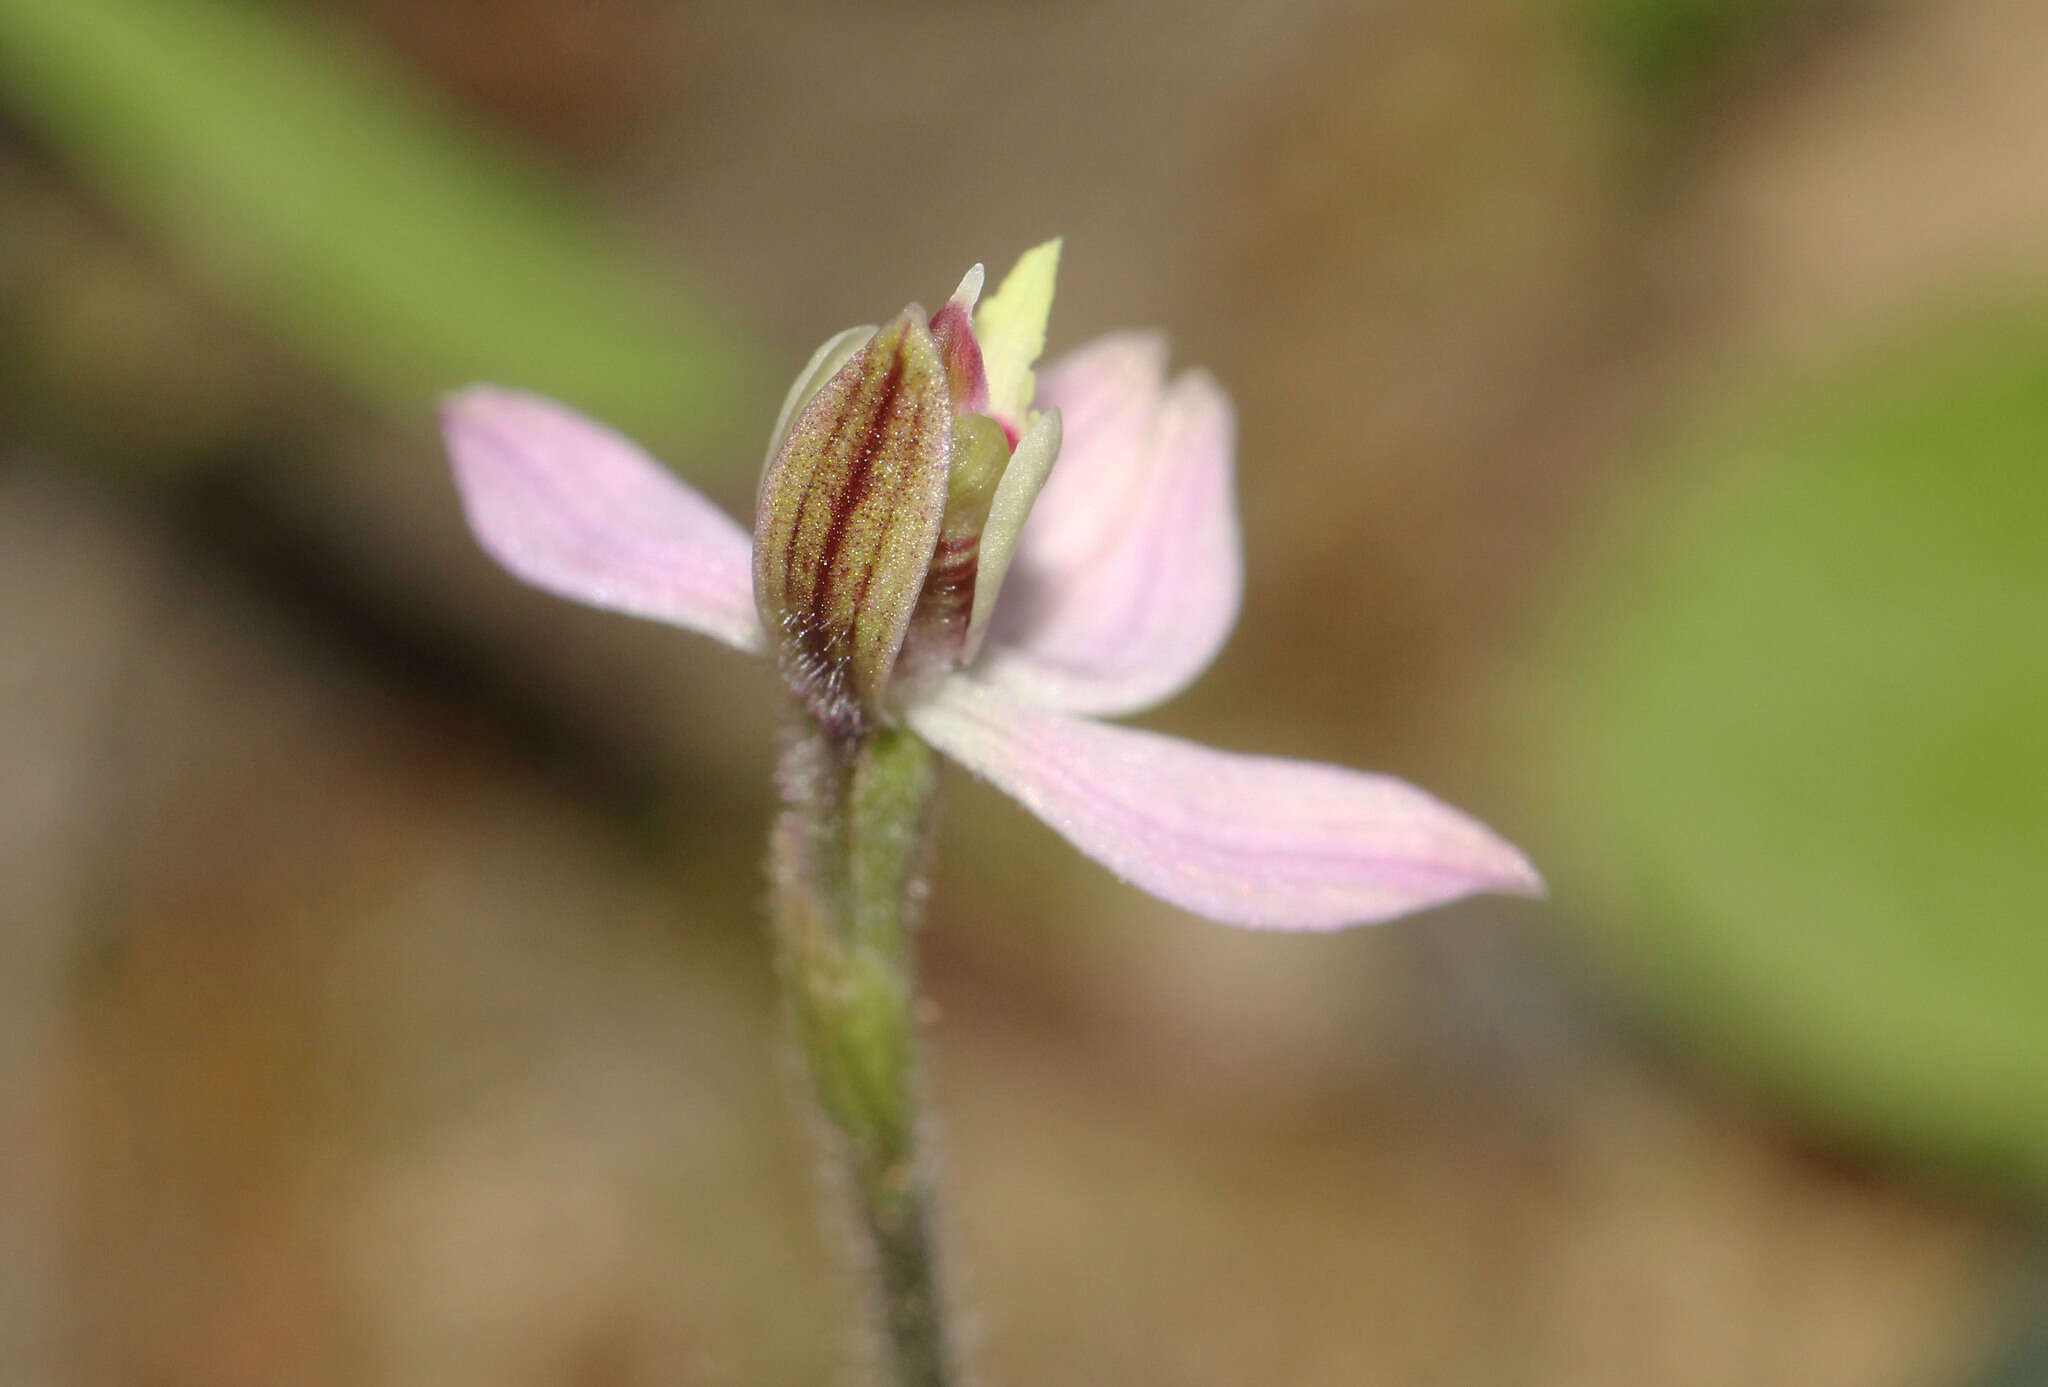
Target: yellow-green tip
{"type": "Point", "coordinates": [1010, 325]}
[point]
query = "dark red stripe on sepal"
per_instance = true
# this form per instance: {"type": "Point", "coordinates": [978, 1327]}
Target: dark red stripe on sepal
{"type": "Point", "coordinates": [850, 513]}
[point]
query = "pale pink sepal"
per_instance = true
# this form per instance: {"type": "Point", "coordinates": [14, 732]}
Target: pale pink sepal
{"type": "Point", "coordinates": [1244, 840]}
{"type": "Point", "coordinates": [572, 507]}
{"type": "Point", "coordinates": [1129, 572]}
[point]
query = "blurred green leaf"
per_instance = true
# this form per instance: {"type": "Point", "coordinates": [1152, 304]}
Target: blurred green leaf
{"type": "Point", "coordinates": [1801, 781]}
{"type": "Point", "coordinates": [1664, 50]}
{"type": "Point", "coordinates": [361, 222]}
{"type": "Point", "coordinates": [2025, 1363]}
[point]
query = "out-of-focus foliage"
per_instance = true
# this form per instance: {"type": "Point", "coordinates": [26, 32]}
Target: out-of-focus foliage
{"type": "Point", "coordinates": [400, 252]}
{"type": "Point", "coordinates": [1664, 49]}
{"type": "Point", "coordinates": [1802, 751]}
{"type": "Point", "coordinates": [2025, 1362]}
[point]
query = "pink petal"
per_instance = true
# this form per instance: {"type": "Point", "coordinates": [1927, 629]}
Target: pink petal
{"type": "Point", "coordinates": [1127, 578]}
{"type": "Point", "coordinates": [1244, 840]}
{"type": "Point", "coordinates": [571, 507]}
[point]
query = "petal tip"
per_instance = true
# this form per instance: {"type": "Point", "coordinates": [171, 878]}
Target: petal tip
{"type": "Point", "coordinates": [1500, 868]}
{"type": "Point", "coordinates": [456, 407]}
{"type": "Point", "coordinates": [1524, 880]}
{"type": "Point", "coordinates": [484, 415]}
{"type": "Point", "coordinates": [969, 292]}
{"type": "Point", "coordinates": [466, 417]}
{"type": "Point", "coordinates": [1199, 383]}
{"type": "Point", "coordinates": [482, 395]}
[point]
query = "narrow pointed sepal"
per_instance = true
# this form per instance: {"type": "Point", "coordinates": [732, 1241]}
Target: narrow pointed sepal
{"type": "Point", "coordinates": [1244, 840]}
{"type": "Point", "coordinates": [1010, 327]}
{"type": "Point", "coordinates": [849, 515]}
{"type": "Point", "coordinates": [953, 330]}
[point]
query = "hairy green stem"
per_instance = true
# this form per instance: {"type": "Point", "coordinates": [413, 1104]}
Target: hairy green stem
{"type": "Point", "coordinates": [847, 884]}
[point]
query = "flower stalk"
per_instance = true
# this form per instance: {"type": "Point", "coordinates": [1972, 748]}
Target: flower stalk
{"type": "Point", "coordinates": [847, 885]}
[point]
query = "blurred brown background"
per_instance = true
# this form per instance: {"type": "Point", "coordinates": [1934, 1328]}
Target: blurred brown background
{"type": "Point", "coordinates": [383, 998]}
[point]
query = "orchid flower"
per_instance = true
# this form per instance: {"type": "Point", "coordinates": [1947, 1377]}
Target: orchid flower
{"type": "Point", "coordinates": [925, 577]}
{"type": "Point", "coordinates": [919, 560]}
